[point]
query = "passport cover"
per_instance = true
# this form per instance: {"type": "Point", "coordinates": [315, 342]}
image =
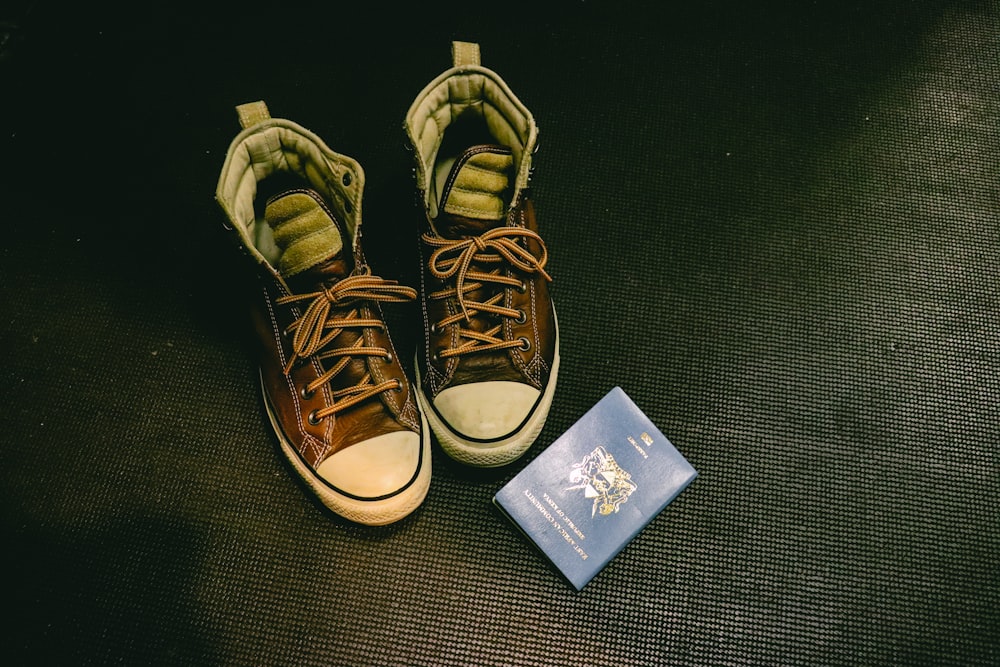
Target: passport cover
{"type": "Point", "coordinates": [592, 490]}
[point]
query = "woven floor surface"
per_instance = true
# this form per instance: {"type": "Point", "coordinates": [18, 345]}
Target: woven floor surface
{"type": "Point", "coordinates": [776, 227]}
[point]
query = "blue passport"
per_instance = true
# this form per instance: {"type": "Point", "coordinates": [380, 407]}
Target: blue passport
{"type": "Point", "coordinates": [589, 493]}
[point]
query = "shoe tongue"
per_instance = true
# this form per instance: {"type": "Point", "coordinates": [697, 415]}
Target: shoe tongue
{"type": "Point", "coordinates": [476, 192]}
{"type": "Point", "coordinates": [309, 237]}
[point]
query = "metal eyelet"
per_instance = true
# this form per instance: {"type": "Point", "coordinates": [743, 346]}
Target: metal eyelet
{"type": "Point", "coordinates": [387, 358]}
{"type": "Point", "coordinates": [399, 387]}
{"type": "Point", "coordinates": [525, 344]}
{"type": "Point", "coordinates": [436, 356]}
{"type": "Point", "coordinates": [313, 419]}
{"type": "Point", "coordinates": [522, 288]}
{"type": "Point", "coordinates": [305, 393]}
{"type": "Point", "coordinates": [346, 180]}
{"type": "Point", "coordinates": [521, 318]}
{"type": "Point", "coordinates": [434, 329]}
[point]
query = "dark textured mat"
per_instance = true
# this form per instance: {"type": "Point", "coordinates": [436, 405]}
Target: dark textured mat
{"type": "Point", "coordinates": [774, 226]}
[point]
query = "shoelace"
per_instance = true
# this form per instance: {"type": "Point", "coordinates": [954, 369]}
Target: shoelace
{"type": "Point", "coordinates": [453, 259]}
{"type": "Point", "coordinates": [319, 325]}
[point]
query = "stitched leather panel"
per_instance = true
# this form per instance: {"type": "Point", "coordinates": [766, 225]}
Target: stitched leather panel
{"type": "Point", "coordinates": [531, 365]}
{"type": "Point", "coordinates": [391, 411]}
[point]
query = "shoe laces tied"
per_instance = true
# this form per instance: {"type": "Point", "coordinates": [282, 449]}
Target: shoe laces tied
{"type": "Point", "coordinates": [331, 310]}
{"type": "Point", "coordinates": [453, 260]}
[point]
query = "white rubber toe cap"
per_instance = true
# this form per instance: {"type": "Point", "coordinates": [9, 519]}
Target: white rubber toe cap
{"type": "Point", "coordinates": [374, 468]}
{"type": "Point", "coordinates": [486, 410]}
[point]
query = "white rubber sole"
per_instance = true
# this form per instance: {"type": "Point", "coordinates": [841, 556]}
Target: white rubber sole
{"type": "Point", "coordinates": [494, 453]}
{"type": "Point", "coordinates": [367, 512]}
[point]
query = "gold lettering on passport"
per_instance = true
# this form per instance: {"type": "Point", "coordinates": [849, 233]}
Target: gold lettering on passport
{"type": "Point", "coordinates": [642, 452]}
{"type": "Point", "coordinates": [562, 515]}
{"type": "Point", "coordinates": [556, 522]}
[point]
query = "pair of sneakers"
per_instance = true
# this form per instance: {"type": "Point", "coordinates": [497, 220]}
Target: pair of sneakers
{"type": "Point", "coordinates": [347, 417]}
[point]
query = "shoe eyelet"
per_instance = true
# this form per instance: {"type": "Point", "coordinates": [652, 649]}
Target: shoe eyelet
{"type": "Point", "coordinates": [346, 180]}
{"type": "Point", "coordinates": [522, 288]}
{"type": "Point", "coordinates": [387, 358]}
{"type": "Point", "coordinates": [399, 387]}
{"type": "Point", "coordinates": [434, 329]}
{"type": "Point", "coordinates": [305, 393]}
{"type": "Point", "coordinates": [525, 344]}
{"type": "Point", "coordinates": [436, 356]}
{"type": "Point", "coordinates": [521, 318]}
{"type": "Point", "coordinates": [313, 418]}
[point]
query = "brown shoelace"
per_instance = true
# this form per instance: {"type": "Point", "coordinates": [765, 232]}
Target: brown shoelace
{"type": "Point", "coordinates": [454, 260]}
{"type": "Point", "coordinates": [331, 310]}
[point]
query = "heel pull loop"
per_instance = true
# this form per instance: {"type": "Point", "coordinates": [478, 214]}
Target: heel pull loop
{"type": "Point", "coordinates": [252, 113]}
{"type": "Point", "coordinates": [464, 53]}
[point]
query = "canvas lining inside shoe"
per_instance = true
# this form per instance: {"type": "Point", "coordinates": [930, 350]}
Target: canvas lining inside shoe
{"type": "Point", "coordinates": [461, 93]}
{"type": "Point", "coordinates": [278, 146]}
{"type": "Point", "coordinates": [479, 188]}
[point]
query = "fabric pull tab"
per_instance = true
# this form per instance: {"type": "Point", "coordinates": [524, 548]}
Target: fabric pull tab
{"type": "Point", "coordinates": [252, 113]}
{"type": "Point", "coordinates": [464, 53]}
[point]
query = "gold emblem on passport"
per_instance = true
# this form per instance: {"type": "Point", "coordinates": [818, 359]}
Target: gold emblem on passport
{"type": "Point", "coordinates": [601, 478]}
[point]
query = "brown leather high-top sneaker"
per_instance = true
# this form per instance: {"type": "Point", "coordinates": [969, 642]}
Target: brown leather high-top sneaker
{"type": "Point", "coordinates": [487, 373]}
{"type": "Point", "coordinates": [334, 390]}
